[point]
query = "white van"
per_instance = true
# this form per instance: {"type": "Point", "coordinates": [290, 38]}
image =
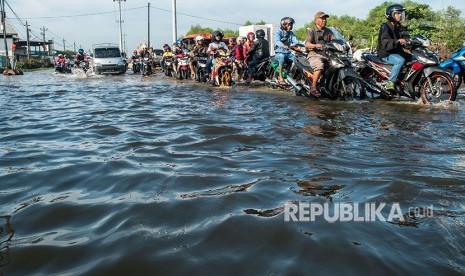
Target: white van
{"type": "Point", "coordinates": [108, 59]}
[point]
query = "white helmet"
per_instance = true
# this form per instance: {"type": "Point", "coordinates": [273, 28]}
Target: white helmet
{"type": "Point", "coordinates": [199, 38]}
{"type": "Point", "coordinates": [239, 38]}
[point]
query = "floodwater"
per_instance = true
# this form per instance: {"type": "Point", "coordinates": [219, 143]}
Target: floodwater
{"type": "Point", "coordinates": [124, 175]}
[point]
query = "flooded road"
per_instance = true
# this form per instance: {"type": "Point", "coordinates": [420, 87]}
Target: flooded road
{"type": "Point", "coordinates": [129, 175]}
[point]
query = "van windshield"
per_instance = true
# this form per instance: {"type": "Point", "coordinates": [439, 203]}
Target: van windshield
{"type": "Point", "coordinates": [107, 53]}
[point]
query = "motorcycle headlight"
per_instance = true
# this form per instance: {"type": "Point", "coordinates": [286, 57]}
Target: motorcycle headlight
{"type": "Point", "coordinates": [337, 63]}
{"type": "Point", "coordinates": [339, 47]}
{"type": "Point", "coordinates": [425, 60]}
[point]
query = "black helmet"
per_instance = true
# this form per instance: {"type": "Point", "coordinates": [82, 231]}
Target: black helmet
{"type": "Point", "coordinates": [260, 33]}
{"type": "Point", "coordinates": [217, 33]}
{"type": "Point", "coordinates": [286, 21]}
{"type": "Point", "coordinates": [394, 8]}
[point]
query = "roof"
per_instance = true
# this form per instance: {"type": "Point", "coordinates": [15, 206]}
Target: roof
{"type": "Point", "coordinates": [10, 30]}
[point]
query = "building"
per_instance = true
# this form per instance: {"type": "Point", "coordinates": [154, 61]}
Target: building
{"type": "Point", "coordinates": [269, 29]}
{"type": "Point", "coordinates": [11, 35]}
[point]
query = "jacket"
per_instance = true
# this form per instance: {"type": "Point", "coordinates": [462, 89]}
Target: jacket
{"type": "Point", "coordinates": [388, 36]}
{"type": "Point", "coordinates": [282, 38]}
{"type": "Point", "coordinates": [260, 49]}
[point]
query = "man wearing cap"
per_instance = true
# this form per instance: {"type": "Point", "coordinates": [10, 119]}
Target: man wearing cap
{"type": "Point", "coordinates": [316, 38]}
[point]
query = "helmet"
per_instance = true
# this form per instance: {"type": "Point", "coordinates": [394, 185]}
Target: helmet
{"type": "Point", "coordinates": [217, 33]}
{"type": "Point", "coordinates": [81, 51]}
{"type": "Point", "coordinates": [232, 40]}
{"type": "Point", "coordinates": [286, 21]}
{"type": "Point", "coordinates": [60, 55]}
{"type": "Point", "coordinates": [423, 39]}
{"type": "Point", "coordinates": [239, 38]}
{"type": "Point", "coordinates": [251, 36]}
{"type": "Point", "coordinates": [135, 52]}
{"type": "Point", "coordinates": [179, 41]}
{"type": "Point", "coordinates": [199, 38]}
{"type": "Point", "coordinates": [394, 8]}
{"type": "Point", "coordinates": [260, 33]}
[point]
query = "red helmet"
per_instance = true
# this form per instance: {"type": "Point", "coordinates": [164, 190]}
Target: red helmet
{"type": "Point", "coordinates": [251, 36]}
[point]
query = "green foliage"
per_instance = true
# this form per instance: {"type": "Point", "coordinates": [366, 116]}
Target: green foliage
{"type": "Point", "coordinates": [30, 64]}
{"type": "Point", "coordinates": [248, 22]}
{"type": "Point", "coordinates": [197, 29]}
{"type": "Point", "coordinates": [445, 28]}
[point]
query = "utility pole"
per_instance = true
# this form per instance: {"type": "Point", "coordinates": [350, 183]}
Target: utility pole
{"type": "Point", "coordinates": [120, 25]}
{"type": "Point", "coordinates": [175, 28]}
{"type": "Point", "coordinates": [28, 41]}
{"type": "Point", "coordinates": [43, 29]}
{"type": "Point", "coordinates": [3, 17]}
{"type": "Point", "coordinates": [75, 46]}
{"type": "Point", "coordinates": [148, 35]}
{"type": "Point", "coordinates": [64, 45]}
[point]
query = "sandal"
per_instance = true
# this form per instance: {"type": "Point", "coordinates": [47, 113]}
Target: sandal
{"type": "Point", "coordinates": [282, 82]}
{"type": "Point", "coordinates": [314, 92]}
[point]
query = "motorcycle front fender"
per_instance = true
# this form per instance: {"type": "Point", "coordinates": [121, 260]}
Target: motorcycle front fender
{"type": "Point", "coordinates": [433, 69]}
{"type": "Point", "coordinates": [348, 72]}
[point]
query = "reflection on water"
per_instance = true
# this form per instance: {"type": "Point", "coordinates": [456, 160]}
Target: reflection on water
{"type": "Point", "coordinates": [130, 175]}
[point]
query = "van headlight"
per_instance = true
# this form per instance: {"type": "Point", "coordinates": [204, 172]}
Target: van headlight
{"type": "Point", "coordinates": [121, 63]}
{"type": "Point", "coordinates": [97, 64]}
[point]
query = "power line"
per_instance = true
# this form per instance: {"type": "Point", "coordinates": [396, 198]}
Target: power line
{"type": "Point", "coordinates": [126, 9]}
{"type": "Point", "coordinates": [199, 17]}
{"type": "Point", "coordinates": [77, 15]}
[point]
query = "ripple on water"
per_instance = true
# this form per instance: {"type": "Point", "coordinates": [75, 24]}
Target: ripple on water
{"type": "Point", "coordinates": [129, 175]}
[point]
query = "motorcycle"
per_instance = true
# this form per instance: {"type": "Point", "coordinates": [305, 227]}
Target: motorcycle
{"type": "Point", "coordinates": [136, 66]}
{"type": "Point", "coordinates": [222, 70]}
{"type": "Point", "coordinates": [168, 67]}
{"type": "Point", "coordinates": [81, 67]}
{"type": "Point", "coordinates": [339, 79]}
{"type": "Point", "coordinates": [146, 68]}
{"type": "Point", "coordinates": [182, 69]}
{"type": "Point", "coordinates": [421, 78]}
{"type": "Point", "coordinates": [261, 71]}
{"type": "Point", "coordinates": [201, 68]}
{"type": "Point", "coordinates": [456, 64]}
{"type": "Point", "coordinates": [63, 68]}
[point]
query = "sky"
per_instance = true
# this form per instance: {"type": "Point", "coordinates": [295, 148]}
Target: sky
{"type": "Point", "coordinates": [62, 18]}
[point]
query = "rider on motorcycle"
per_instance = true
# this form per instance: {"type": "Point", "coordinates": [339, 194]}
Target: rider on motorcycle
{"type": "Point", "coordinates": [259, 51]}
{"type": "Point", "coordinates": [61, 60]}
{"type": "Point", "coordinates": [284, 39]}
{"type": "Point", "coordinates": [316, 38]}
{"type": "Point", "coordinates": [239, 57]}
{"type": "Point", "coordinates": [390, 41]}
{"type": "Point", "coordinates": [179, 50]}
{"type": "Point", "coordinates": [216, 44]}
{"type": "Point", "coordinates": [167, 53]}
{"type": "Point", "coordinates": [247, 45]}
{"type": "Point", "coordinates": [80, 57]}
{"type": "Point", "coordinates": [199, 49]}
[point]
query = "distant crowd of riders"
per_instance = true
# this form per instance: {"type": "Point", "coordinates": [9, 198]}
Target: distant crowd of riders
{"type": "Point", "coordinates": [317, 67]}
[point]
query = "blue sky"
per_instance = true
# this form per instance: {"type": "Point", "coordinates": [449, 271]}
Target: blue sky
{"type": "Point", "coordinates": [59, 16]}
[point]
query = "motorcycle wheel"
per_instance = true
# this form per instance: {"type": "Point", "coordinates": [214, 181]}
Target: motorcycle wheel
{"type": "Point", "coordinates": [184, 74]}
{"type": "Point", "coordinates": [351, 88]}
{"type": "Point", "coordinates": [201, 76]}
{"type": "Point", "coordinates": [226, 78]}
{"type": "Point", "coordinates": [438, 87]}
{"type": "Point", "coordinates": [457, 78]}
{"type": "Point", "coordinates": [167, 72]}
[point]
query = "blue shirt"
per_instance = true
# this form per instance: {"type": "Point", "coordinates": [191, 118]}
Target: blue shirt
{"type": "Point", "coordinates": [282, 38]}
